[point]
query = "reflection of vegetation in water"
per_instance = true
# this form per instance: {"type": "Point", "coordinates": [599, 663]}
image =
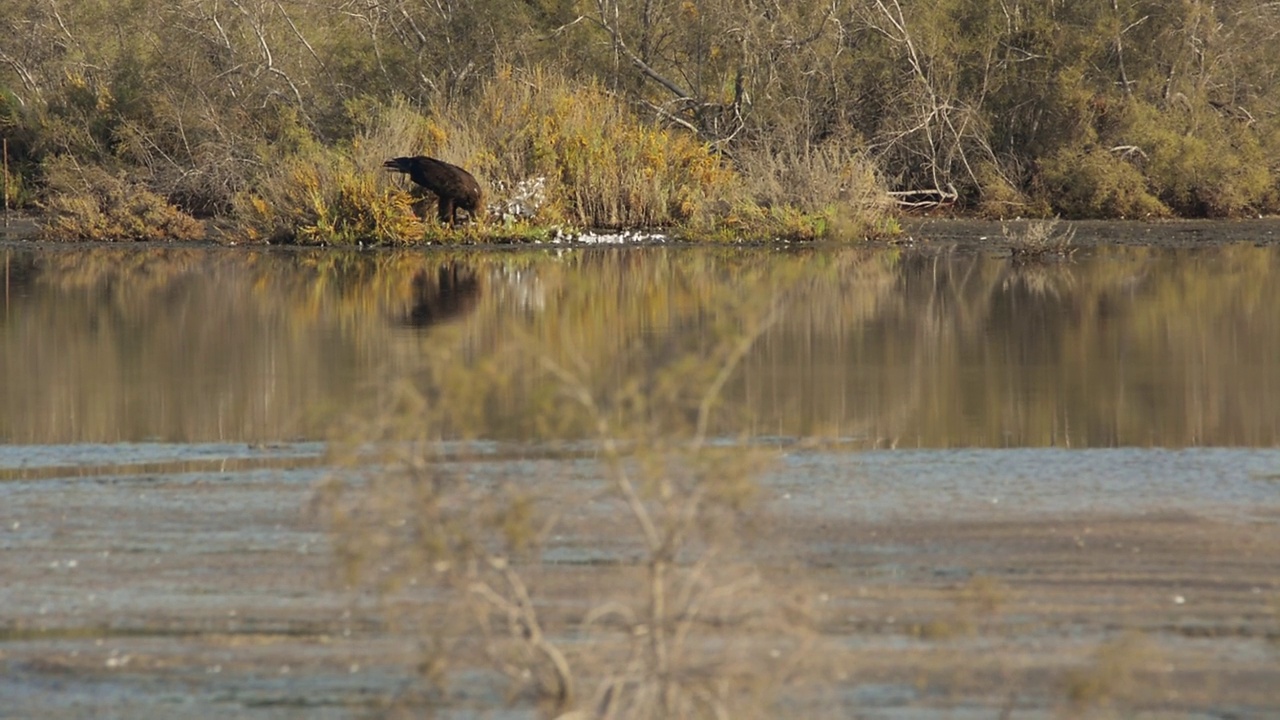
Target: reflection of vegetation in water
{"type": "Point", "coordinates": [209, 344]}
{"type": "Point", "coordinates": [126, 345]}
{"type": "Point", "coordinates": [1130, 346]}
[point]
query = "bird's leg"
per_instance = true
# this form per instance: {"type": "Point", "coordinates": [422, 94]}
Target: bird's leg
{"type": "Point", "coordinates": [446, 210]}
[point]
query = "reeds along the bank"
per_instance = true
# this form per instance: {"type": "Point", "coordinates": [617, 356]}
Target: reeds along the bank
{"type": "Point", "coordinates": [596, 163]}
{"type": "Point", "coordinates": [599, 166]}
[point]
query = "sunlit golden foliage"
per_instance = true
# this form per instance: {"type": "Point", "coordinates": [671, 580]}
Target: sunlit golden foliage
{"type": "Point", "coordinates": [604, 166]}
{"type": "Point", "coordinates": [597, 164]}
{"type": "Point", "coordinates": [320, 197]}
{"type": "Point", "coordinates": [999, 198]}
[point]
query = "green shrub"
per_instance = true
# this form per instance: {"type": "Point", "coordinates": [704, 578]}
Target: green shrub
{"type": "Point", "coordinates": [1096, 183]}
{"type": "Point", "coordinates": [16, 193]}
{"type": "Point", "coordinates": [1198, 162]}
{"type": "Point", "coordinates": [998, 198]}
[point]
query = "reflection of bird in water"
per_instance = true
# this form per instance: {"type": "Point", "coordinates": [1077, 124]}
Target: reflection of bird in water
{"type": "Point", "coordinates": [454, 187]}
{"type": "Point", "coordinates": [453, 293]}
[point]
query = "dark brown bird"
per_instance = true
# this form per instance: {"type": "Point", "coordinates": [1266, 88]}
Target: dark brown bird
{"type": "Point", "coordinates": [454, 187]}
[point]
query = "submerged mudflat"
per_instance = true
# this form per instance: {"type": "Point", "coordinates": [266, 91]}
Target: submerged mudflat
{"type": "Point", "coordinates": [943, 584]}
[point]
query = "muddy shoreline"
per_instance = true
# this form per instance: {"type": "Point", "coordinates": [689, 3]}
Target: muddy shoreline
{"type": "Point", "coordinates": [922, 232]}
{"type": "Point", "coordinates": [1101, 233]}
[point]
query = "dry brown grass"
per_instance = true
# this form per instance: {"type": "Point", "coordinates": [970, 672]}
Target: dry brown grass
{"type": "Point", "coordinates": [1041, 239]}
{"type": "Point", "coordinates": [1116, 678]}
{"type": "Point", "coordinates": [834, 179]}
{"type": "Point", "coordinates": [90, 203]}
{"type": "Point", "coordinates": [679, 624]}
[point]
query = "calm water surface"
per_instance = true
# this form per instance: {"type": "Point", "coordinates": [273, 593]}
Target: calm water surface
{"type": "Point", "coordinates": [932, 347]}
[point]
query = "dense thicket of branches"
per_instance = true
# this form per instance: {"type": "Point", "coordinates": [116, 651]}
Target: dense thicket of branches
{"type": "Point", "coordinates": [1091, 107]}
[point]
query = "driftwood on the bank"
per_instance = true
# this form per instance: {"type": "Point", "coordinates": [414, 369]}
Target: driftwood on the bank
{"type": "Point", "coordinates": [925, 198]}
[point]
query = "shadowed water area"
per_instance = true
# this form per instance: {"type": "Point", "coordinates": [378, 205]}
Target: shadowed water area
{"type": "Point", "coordinates": [1005, 487]}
